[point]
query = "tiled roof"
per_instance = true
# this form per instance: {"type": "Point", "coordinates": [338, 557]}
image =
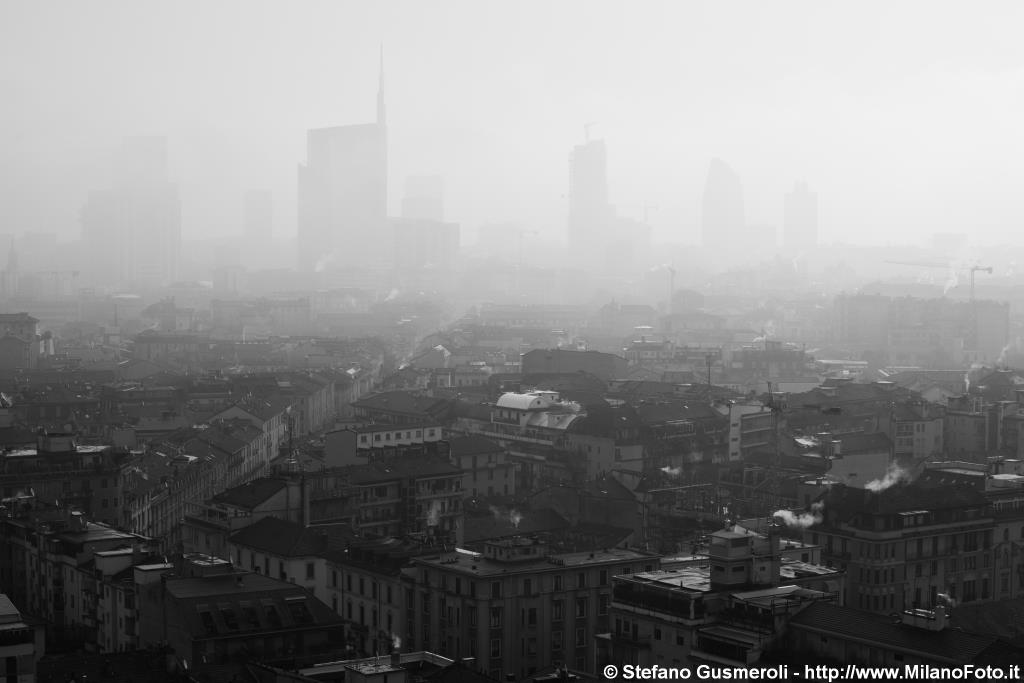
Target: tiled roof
{"type": "Point", "coordinates": [404, 402]}
{"type": "Point", "coordinates": [251, 494]}
{"type": "Point", "coordinates": [947, 646]}
{"type": "Point", "coordinates": [282, 538]}
{"type": "Point", "coordinates": [499, 525]}
{"type": "Point", "coordinates": [409, 467]}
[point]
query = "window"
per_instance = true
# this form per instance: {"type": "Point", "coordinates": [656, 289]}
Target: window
{"type": "Point", "coordinates": [557, 610]}
{"type": "Point", "coordinates": [657, 634]}
{"type": "Point", "coordinates": [581, 580]}
{"type": "Point", "coordinates": [496, 617]}
{"type": "Point", "coordinates": [495, 590]}
{"type": "Point", "coordinates": [581, 608]}
{"type": "Point", "coordinates": [310, 570]}
{"type": "Point", "coordinates": [602, 604]}
{"type": "Point", "coordinates": [581, 637]}
{"type": "Point", "coordinates": [558, 583]}
{"type": "Point", "coordinates": [556, 641]}
{"type": "Point", "coordinates": [604, 577]}
{"type": "Point", "coordinates": [280, 571]}
{"type": "Point", "coordinates": [527, 587]}
{"type": "Point", "coordinates": [531, 616]}
{"type": "Point", "coordinates": [680, 640]}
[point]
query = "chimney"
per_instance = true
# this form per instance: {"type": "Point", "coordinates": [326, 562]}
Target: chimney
{"type": "Point", "coordinates": [396, 659]}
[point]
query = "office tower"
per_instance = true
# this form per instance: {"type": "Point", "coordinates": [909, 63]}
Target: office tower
{"type": "Point", "coordinates": [800, 220]}
{"type": "Point", "coordinates": [722, 217]}
{"type": "Point", "coordinates": [426, 252]}
{"type": "Point", "coordinates": [258, 216]}
{"type": "Point", "coordinates": [424, 198]}
{"type": "Point", "coordinates": [343, 194]}
{"type": "Point", "coordinates": [132, 231]}
{"type": "Point", "coordinates": [590, 215]}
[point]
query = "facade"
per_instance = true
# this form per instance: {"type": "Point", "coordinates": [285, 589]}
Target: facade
{"type": "Point", "coordinates": [488, 470]}
{"type": "Point", "coordinates": [515, 608]}
{"type": "Point", "coordinates": [44, 552]}
{"type": "Point", "coordinates": [21, 643]}
{"type": "Point", "coordinates": [19, 341]}
{"type": "Point", "coordinates": [211, 614]}
{"type": "Point", "coordinates": [904, 546]}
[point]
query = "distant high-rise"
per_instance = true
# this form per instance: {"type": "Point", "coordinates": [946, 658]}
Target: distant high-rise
{"type": "Point", "coordinates": [424, 198]}
{"type": "Point", "coordinates": [800, 221]}
{"type": "Point", "coordinates": [258, 215]}
{"type": "Point", "coordinates": [132, 232]}
{"type": "Point", "coordinates": [722, 216]}
{"type": "Point", "coordinates": [343, 193]}
{"type": "Point", "coordinates": [590, 214]}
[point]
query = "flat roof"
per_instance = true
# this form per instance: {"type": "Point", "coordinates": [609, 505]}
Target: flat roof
{"type": "Point", "coordinates": [485, 566]}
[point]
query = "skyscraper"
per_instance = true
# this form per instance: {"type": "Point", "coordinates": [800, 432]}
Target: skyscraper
{"type": "Point", "coordinates": [722, 216]}
{"type": "Point", "coordinates": [800, 220]}
{"type": "Point", "coordinates": [258, 216]}
{"type": "Point", "coordinates": [590, 214]}
{"type": "Point", "coordinates": [343, 193]}
{"type": "Point", "coordinates": [424, 198]}
{"type": "Point", "coordinates": [132, 231]}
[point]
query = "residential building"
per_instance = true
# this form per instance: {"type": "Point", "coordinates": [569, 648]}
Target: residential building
{"type": "Point", "coordinates": [905, 545]}
{"type": "Point", "coordinates": [208, 524]}
{"type": "Point", "coordinates": [22, 643]}
{"type": "Point", "coordinates": [728, 607]}
{"type": "Point", "coordinates": [488, 470]}
{"type": "Point", "coordinates": [515, 607]}
{"type": "Point", "coordinates": [210, 614]}
{"type": "Point", "coordinates": [19, 341]}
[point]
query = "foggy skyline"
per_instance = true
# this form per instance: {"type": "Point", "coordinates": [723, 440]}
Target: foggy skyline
{"type": "Point", "coordinates": [902, 118]}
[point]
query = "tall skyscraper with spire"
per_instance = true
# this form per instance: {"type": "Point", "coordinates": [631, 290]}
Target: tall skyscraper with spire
{"type": "Point", "coordinates": [343, 194]}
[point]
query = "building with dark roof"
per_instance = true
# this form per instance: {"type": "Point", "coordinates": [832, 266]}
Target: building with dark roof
{"type": "Point", "coordinates": [207, 525]}
{"type": "Point", "coordinates": [606, 366]}
{"type": "Point", "coordinates": [211, 614]}
{"type": "Point", "coordinates": [850, 636]}
{"type": "Point", "coordinates": [905, 545]}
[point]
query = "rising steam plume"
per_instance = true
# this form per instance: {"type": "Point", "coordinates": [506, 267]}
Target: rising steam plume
{"type": "Point", "coordinates": [894, 475]}
{"type": "Point", "coordinates": [802, 520]}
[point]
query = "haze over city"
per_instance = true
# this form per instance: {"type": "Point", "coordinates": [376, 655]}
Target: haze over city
{"type": "Point", "coordinates": [475, 341]}
{"type": "Point", "coordinates": [904, 118]}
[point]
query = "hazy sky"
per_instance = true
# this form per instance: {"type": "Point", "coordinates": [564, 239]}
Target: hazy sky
{"type": "Point", "coordinates": [905, 117]}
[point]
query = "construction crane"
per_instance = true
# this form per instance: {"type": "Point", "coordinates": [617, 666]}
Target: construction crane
{"type": "Point", "coordinates": [947, 266]}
